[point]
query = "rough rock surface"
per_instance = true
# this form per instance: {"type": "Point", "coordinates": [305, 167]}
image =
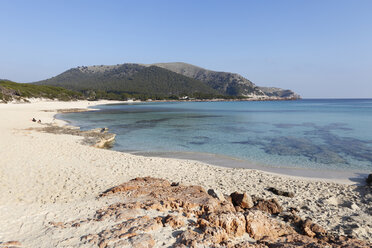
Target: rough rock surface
{"type": "Point", "coordinates": [216, 194]}
{"type": "Point", "coordinates": [259, 225]}
{"type": "Point", "coordinates": [241, 200]}
{"type": "Point", "coordinates": [281, 192]}
{"type": "Point", "coordinates": [271, 206]}
{"type": "Point", "coordinates": [99, 137]}
{"type": "Point", "coordinates": [369, 179]}
{"type": "Point", "coordinates": [10, 244]}
{"type": "Point", "coordinates": [147, 211]}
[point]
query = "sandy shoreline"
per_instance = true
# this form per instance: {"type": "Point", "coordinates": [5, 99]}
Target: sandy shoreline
{"type": "Point", "coordinates": [343, 177]}
{"type": "Point", "coordinates": [44, 177]}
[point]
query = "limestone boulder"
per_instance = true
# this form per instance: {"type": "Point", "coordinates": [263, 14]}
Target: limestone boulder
{"type": "Point", "coordinates": [241, 200]}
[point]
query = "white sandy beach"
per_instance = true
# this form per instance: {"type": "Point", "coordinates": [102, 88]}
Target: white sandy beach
{"type": "Point", "coordinates": [47, 177]}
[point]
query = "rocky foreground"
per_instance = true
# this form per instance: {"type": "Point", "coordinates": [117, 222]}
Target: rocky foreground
{"type": "Point", "coordinates": [151, 212]}
{"type": "Point", "coordinates": [98, 137]}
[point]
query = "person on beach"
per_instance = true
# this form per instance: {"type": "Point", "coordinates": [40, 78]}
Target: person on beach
{"type": "Point", "coordinates": [33, 119]}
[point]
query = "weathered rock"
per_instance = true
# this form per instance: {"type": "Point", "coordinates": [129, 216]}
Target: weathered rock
{"type": "Point", "coordinates": [291, 218]}
{"type": "Point", "coordinates": [109, 237]}
{"type": "Point", "coordinates": [174, 221]}
{"type": "Point", "coordinates": [306, 226]}
{"type": "Point", "coordinates": [139, 185]}
{"type": "Point", "coordinates": [343, 241]}
{"type": "Point", "coordinates": [271, 206]}
{"type": "Point", "coordinates": [142, 241]}
{"type": "Point", "coordinates": [210, 237]}
{"type": "Point", "coordinates": [105, 142]}
{"type": "Point", "coordinates": [190, 238]}
{"type": "Point", "coordinates": [242, 200]}
{"type": "Point", "coordinates": [311, 229]}
{"type": "Point", "coordinates": [369, 179]}
{"type": "Point", "coordinates": [259, 225]}
{"type": "Point", "coordinates": [57, 224]}
{"type": "Point", "coordinates": [292, 240]}
{"type": "Point", "coordinates": [10, 244]}
{"type": "Point", "coordinates": [126, 214]}
{"type": "Point", "coordinates": [216, 194]}
{"type": "Point", "coordinates": [281, 192]}
{"type": "Point", "coordinates": [248, 245]}
{"type": "Point", "coordinates": [297, 240]}
{"type": "Point", "coordinates": [98, 137]}
{"type": "Point", "coordinates": [144, 206]}
{"type": "Point", "coordinates": [233, 223]}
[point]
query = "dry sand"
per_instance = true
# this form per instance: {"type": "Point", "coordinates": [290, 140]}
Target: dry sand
{"type": "Point", "coordinates": [47, 177]}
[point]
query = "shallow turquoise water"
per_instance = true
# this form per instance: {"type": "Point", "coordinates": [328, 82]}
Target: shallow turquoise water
{"type": "Point", "coordinates": [327, 134]}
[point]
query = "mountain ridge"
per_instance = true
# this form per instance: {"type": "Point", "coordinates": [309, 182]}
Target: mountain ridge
{"type": "Point", "coordinates": [163, 80]}
{"type": "Point", "coordinates": [226, 82]}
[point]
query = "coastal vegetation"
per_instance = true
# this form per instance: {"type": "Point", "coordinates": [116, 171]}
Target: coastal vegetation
{"type": "Point", "coordinates": [10, 91]}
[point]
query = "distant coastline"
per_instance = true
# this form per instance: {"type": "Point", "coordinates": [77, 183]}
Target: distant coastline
{"type": "Point", "coordinates": [227, 100]}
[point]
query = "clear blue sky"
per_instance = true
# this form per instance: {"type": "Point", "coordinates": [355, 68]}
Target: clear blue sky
{"type": "Point", "coordinates": [319, 48]}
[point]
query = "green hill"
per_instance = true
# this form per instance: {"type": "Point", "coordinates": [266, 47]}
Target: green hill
{"type": "Point", "coordinates": [130, 80]}
{"type": "Point", "coordinates": [21, 92]}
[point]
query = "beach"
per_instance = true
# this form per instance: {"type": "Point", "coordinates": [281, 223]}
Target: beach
{"type": "Point", "coordinates": [48, 177]}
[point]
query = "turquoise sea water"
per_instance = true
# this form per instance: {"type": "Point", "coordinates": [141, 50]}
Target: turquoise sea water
{"type": "Point", "coordinates": [319, 134]}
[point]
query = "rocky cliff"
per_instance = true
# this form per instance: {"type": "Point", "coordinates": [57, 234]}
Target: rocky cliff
{"type": "Point", "coordinates": [226, 82]}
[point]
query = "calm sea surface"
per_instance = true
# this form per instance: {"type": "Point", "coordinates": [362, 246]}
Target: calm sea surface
{"type": "Point", "coordinates": [326, 134]}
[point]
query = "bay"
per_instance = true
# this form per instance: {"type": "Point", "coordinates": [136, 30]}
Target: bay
{"type": "Point", "coordinates": [331, 134]}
